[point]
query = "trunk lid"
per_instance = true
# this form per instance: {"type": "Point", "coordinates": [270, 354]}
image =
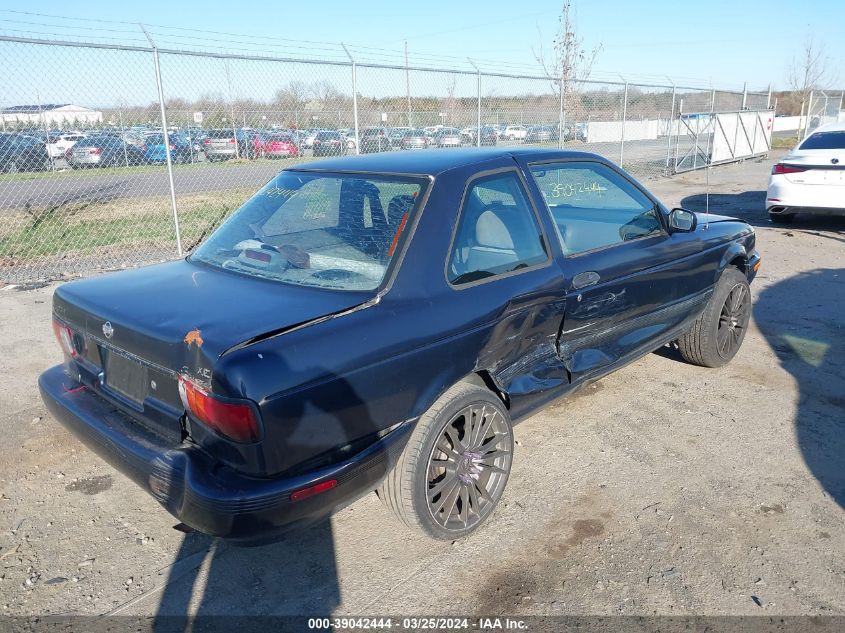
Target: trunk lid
{"type": "Point", "coordinates": [823, 167]}
{"type": "Point", "coordinates": [181, 316]}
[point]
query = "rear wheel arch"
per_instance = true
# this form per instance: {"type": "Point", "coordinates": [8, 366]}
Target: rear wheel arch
{"type": "Point", "coordinates": [483, 378]}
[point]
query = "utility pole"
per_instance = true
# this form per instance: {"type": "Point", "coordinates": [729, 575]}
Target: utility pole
{"type": "Point", "coordinates": [408, 83]}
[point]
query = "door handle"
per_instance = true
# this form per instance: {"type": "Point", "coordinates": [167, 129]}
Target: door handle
{"type": "Point", "coordinates": [584, 279]}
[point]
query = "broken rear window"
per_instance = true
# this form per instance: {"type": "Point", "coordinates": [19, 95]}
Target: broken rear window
{"type": "Point", "coordinates": [337, 231]}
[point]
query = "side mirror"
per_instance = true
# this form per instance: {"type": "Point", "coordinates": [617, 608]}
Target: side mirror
{"type": "Point", "coordinates": [682, 221]}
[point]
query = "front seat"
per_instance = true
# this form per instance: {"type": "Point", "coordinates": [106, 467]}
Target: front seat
{"type": "Point", "coordinates": [493, 247]}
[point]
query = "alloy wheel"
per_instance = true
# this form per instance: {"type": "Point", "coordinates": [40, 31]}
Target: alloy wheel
{"type": "Point", "coordinates": [468, 467]}
{"type": "Point", "coordinates": [733, 320]}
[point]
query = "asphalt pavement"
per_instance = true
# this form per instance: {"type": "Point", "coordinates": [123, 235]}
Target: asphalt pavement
{"type": "Point", "coordinates": [42, 190]}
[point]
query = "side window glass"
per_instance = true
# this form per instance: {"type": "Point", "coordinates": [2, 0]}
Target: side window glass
{"type": "Point", "coordinates": [593, 206]}
{"type": "Point", "coordinates": [497, 231]}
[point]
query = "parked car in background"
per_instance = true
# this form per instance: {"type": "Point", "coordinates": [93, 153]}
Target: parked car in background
{"type": "Point", "coordinates": [488, 135]}
{"type": "Point", "coordinates": [281, 145]}
{"type": "Point", "coordinates": [104, 151]}
{"type": "Point", "coordinates": [414, 139]}
{"type": "Point", "coordinates": [58, 144]}
{"type": "Point", "coordinates": [307, 138]}
{"type": "Point", "coordinates": [220, 144]}
{"type": "Point", "coordinates": [253, 144]}
{"type": "Point", "coordinates": [329, 143]}
{"type": "Point", "coordinates": [154, 148]}
{"type": "Point", "coordinates": [396, 134]}
{"type": "Point", "coordinates": [515, 132]}
{"type": "Point", "coordinates": [349, 137]}
{"type": "Point", "coordinates": [19, 152]}
{"type": "Point", "coordinates": [575, 132]}
{"type": "Point", "coordinates": [448, 137]}
{"type": "Point", "coordinates": [374, 139]}
{"type": "Point", "coordinates": [539, 134]}
{"type": "Point", "coordinates": [336, 336]}
{"type": "Point", "coordinates": [195, 138]}
{"type": "Point", "coordinates": [811, 178]}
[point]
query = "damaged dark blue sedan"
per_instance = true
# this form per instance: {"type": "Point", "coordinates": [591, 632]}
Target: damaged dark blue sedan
{"type": "Point", "coordinates": [379, 323]}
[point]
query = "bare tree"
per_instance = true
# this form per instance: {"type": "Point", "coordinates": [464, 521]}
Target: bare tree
{"type": "Point", "coordinates": [568, 62]}
{"type": "Point", "coordinates": [293, 96]}
{"type": "Point", "coordinates": [810, 70]}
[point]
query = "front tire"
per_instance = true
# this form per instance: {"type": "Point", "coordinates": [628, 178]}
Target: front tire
{"type": "Point", "coordinates": [716, 336]}
{"type": "Point", "coordinates": [455, 466]}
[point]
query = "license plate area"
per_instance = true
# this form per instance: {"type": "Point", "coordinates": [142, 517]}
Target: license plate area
{"type": "Point", "coordinates": [126, 377]}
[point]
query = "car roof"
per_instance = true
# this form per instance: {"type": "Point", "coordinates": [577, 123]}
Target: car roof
{"type": "Point", "coordinates": [830, 127]}
{"type": "Point", "coordinates": [435, 161]}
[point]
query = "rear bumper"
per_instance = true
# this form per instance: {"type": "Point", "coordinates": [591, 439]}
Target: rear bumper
{"type": "Point", "coordinates": [786, 198]}
{"type": "Point", "coordinates": [85, 159]}
{"type": "Point", "coordinates": [197, 490]}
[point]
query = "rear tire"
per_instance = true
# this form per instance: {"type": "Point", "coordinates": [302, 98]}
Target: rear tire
{"type": "Point", "coordinates": [780, 218]}
{"type": "Point", "coordinates": [455, 466]}
{"type": "Point", "coordinates": [716, 336]}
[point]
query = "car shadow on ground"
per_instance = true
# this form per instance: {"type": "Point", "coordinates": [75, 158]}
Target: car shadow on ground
{"type": "Point", "coordinates": [215, 585]}
{"type": "Point", "coordinates": [751, 207]}
{"type": "Point", "coordinates": [802, 320]}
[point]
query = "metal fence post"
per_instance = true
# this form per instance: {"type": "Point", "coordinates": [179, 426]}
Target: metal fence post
{"type": "Point", "coordinates": [744, 95]}
{"type": "Point", "coordinates": [123, 136]}
{"type": "Point", "coordinates": [769, 98]}
{"type": "Point", "coordinates": [669, 130]}
{"type": "Point", "coordinates": [478, 113]}
{"type": "Point", "coordinates": [166, 141]}
{"type": "Point", "coordinates": [354, 98]}
{"type": "Point", "coordinates": [624, 116]}
{"type": "Point", "coordinates": [561, 115]}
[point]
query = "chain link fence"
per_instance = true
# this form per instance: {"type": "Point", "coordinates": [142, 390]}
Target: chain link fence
{"type": "Point", "coordinates": [116, 156]}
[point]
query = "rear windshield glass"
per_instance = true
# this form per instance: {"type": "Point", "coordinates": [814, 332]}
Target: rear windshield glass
{"type": "Point", "coordinates": [286, 138]}
{"type": "Point", "coordinates": [824, 140]}
{"type": "Point", "coordinates": [337, 231]}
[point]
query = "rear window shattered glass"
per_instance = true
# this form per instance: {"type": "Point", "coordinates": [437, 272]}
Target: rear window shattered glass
{"type": "Point", "coordinates": [337, 231]}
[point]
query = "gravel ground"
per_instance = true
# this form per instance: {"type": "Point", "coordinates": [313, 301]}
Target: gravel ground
{"type": "Point", "coordinates": [662, 489]}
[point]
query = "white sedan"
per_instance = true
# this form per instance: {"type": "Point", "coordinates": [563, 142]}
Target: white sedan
{"type": "Point", "coordinates": [811, 178]}
{"type": "Point", "coordinates": [59, 144]}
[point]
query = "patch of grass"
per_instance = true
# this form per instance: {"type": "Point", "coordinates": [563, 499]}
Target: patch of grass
{"type": "Point", "coordinates": [126, 222]}
{"type": "Point", "coordinates": [784, 142]}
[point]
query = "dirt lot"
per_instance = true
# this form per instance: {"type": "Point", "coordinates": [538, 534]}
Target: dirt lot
{"type": "Point", "coordinates": [664, 488]}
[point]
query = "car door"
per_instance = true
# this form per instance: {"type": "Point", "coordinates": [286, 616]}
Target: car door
{"type": "Point", "coordinates": [630, 284]}
{"type": "Point", "coordinates": [507, 287]}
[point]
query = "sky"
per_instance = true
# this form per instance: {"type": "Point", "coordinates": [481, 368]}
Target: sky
{"type": "Point", "coordinates": [718, 43]}
{"type": "Point", "coordinates": [725, 42]}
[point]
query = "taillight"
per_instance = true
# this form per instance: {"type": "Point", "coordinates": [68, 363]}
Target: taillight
{"type": "Point", "coordinates": [172, 148]}
{"type": "Point", "coordinates": [231, 141]}
{"type": "Point", "coordinates": [235, 420]}
{"type": "Point", "coordinates": [72, 344]}
{"type": "Point", "coordinates": [68, 153]}
{"type": "Point", "coordinates": [96, 150]}
{"type": "Point", "coordinates": [780, 168]}
{"type": "Point", "coordinates": [207, 141]}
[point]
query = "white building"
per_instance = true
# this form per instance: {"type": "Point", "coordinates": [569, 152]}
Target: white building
{"type": "Point", "coordinates": [50, 115]}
